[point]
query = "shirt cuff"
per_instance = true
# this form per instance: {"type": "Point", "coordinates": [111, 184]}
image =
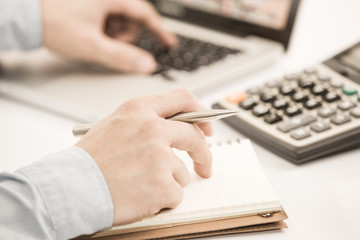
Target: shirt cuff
{"type": "Point", "coordinates": [74, 192]}
{"type": "Point", "coordinates": [33, 30]}
{"type": "Point", "coordinates": [20, 24]}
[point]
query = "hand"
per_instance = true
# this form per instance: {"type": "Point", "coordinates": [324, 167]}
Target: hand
{"type": "Point", "coordinates": [133, 149]}
{"type": "Point", "coordinates": [101, 31]}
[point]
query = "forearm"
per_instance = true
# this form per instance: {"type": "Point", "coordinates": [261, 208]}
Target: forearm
{"type": "Point", "coordinates": [60, 197]}
{"type": "Point", "coordinates": [20, 24]}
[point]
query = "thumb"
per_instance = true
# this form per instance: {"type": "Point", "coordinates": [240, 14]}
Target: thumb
{"type": "Point", "coordinates": [124, 57]}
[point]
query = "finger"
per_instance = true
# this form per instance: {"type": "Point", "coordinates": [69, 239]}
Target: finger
{"type": "Point", "coordinates": [175, 101]}
{"type": "Point", "coordinates": [145, 13]}
{"type": "Point", "coordinates": [123, 56]}
{"type": "Point", "coordinates": [189, 137]}
{"type": "Point", "coordinates": [207, 128]}
{"type": "Point", "coordinates": [180, 172]}
{"type": "Point", "coordinates": [172, 195]}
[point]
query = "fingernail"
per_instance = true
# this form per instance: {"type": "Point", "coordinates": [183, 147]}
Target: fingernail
{"type": "Point", "coordinates": [145, 64]}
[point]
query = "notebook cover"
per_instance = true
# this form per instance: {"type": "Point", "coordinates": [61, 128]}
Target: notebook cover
{"type": "Point", "coordinates": [200, 229]}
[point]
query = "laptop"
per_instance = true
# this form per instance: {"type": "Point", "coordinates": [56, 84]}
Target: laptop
{"type": "Point", "coordinates": [219, 41]}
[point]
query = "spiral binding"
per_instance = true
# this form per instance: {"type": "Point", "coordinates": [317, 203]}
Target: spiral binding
{"type": "Point", "coordinates": [228, 142]}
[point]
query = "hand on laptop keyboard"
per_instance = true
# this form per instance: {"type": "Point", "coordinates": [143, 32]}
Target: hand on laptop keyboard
{"type": "Point", "coordinates": [189, 55]}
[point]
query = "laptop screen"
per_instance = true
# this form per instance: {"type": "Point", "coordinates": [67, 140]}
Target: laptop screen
{"type": "Point", "coordinates": [267, 13]}
{"type": "Point", "coordinates": [271, 19]}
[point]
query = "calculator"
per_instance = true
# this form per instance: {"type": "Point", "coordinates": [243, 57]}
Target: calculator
{"type": "Point", "coordinates": [304, 115]}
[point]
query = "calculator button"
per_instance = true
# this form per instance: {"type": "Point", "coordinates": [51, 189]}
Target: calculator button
{"type": "Point", "coordinates": [312, 104]}
{"type": "Point", "coordinates": [324, 77]}
{"type": "Point", "coordinates": [260, 110]}
{"type": "Point", "coordinates": [339, 119]}
{"type": "Point", "coordinates": [296, 122]}
{"type": "Point", "coordinates": [268, 97]}
{"type": "Point", "coordinates": [306, 83]}
{"type": "Point", "coordinates": [293, 77]}
{"type": "Point", "coordinates": [235, 98]}
{"type": "Point", "coordinates": [349, 90]}
{"type": "Point", "coordinates": [272, 118]}
{"type": "Point", "coordinates": [309, 70]}
{"type": "Point", "coordinates": [287, 90]}
{"type": "Point", "coordinates": [280, 104]}
{"type": "Point", "coordinates": [336, 83]}
{"type": "Point", "coordinates": [326, 112]}
{"type": "Point", "coordinates": [300, 96]}
{"type": "Point", "coordinates": [319, 90]}
{"type": "Point", "coordinates": [254, 90]}
{"type": "Point", "coordinates": [319, 126]}
{"type": "Point", "coordinates": [300, 133]}
{"type": "Point", "coordinates": [345, 105]}
{"type": "Point", "coordinates": [355, 112]}
{"type": "Point", "coordinates": [274, 84]}
{"type": "Point", "coordinates": [292, 111]}
{"type": "Point", "coordinates": [331, 97]}
{"type": "Point", "coordinates": [248, 104]}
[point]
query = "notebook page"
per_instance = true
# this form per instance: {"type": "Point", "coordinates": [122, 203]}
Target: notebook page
{"type": "Point", "coordinates": [238, 187]}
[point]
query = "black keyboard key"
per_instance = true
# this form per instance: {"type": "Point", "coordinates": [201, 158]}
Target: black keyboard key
{"type": "Point", "coordinates": [268, 97]}
{"type": "Point", "coordinates": [307, 83]}
{"type": "Point", "coordinates": [300, 96]}
{"type": "Point", "coordinates": [287, 90]}
{"type": "Point", "coordinates": [292, 111]}
{"type": "Point", "coordinates": [248, 104]}
{"type": "Point", "coordinates": [319, 90]}
{"type": "Point", "coordinates": [174, 52]}
{"type": "Point", "coordinates": [178, 63]}
{"type": "Point", "coordinates": [272, 118]}
{"type": "Point", "coordinates": [280, 104]}
{"type": "Point", "coordinates": [331, 97]}
{"type": "Point", "coordinates": [188, 57]}
{"type": "Point", "coordinates": [312, 104]}
{"type": "Point", "coordinates": [164, 59]}
{"type": "Point", "coordinates": [260, 110]}
{"type": "Point", "coordinates": [202, 61]}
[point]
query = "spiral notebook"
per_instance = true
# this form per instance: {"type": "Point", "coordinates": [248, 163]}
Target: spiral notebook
{"type": "Point", "coordinates": [237, 198]}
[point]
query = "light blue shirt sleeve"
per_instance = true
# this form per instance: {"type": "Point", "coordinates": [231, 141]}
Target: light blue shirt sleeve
{"type": "Point", "coordinates": [20, 24]}
{"type": "Point", "coordinates": [60, 197]}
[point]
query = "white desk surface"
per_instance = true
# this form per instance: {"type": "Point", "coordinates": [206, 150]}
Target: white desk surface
{"type": "Point", "coordinates": [322, 198]}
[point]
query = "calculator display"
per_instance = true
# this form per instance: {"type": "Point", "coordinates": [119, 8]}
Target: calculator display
{"type": "Point", "coordinates": [352, 58]}
{"type": "Point", "coordinates": [347, 63]}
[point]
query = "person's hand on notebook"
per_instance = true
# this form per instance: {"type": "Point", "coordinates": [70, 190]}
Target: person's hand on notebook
{"type": "Point", "coordinates": [133, 148]}
{"type": "Point", "coordinates": [102, 31]}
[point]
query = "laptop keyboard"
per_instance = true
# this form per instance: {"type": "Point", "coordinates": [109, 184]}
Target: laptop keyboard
{"type": "Point", "coordinates": [189, 55]}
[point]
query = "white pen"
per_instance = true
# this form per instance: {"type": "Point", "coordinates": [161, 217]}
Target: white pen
{"type": "Point", "coordinates": [189, 117]}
